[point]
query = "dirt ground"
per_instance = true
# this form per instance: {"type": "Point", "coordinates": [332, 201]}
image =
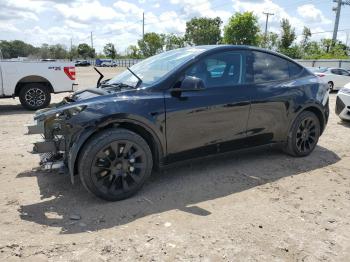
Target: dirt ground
{"type": "Point", "coordinates": [259, 205]}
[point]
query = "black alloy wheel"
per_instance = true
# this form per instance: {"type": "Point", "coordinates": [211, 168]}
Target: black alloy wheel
{"type": "Point", "coordinates": [303, 135]}
{"type": "Point", "coordinates": [306, 135]}
{"type": "Point", "coordinates": [115, 164]}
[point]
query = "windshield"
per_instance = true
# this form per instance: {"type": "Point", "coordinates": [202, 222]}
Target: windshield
{"type": "Point", "coordinates": [156, 68]}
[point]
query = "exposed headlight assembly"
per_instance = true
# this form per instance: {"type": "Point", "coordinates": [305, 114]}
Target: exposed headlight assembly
{"type": "Point", "coordinates": [74, 110]}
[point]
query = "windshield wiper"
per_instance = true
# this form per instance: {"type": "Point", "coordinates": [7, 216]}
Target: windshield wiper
{"type": "Point", "coordinates": [118, 85]}
{"type": "Point", "coordinates": [135, 75]}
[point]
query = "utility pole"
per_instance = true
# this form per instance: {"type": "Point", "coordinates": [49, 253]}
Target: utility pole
{"type": "Point", "coordinates": [143, 25]}
{"type": "Point", "coordinates": [71, 47]}
{"type": "Point", "coordinates": [92, 41]}
{"type": "Point", "coordinates": [267, 21]}
{"type": "Point", "coordinates": [337, 16]}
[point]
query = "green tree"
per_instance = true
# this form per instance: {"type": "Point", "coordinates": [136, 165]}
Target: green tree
{"type": "Point", "coordinates": [306, 37]}
{"type": "Point", "coordinates": [73, 52]}
{"type": "Point", "coordinates": [173, 41]}
{"type": "Point", "coordinates": [326, 44]}
{"type": "Point", "coordinates": [271, 41]}
{"type": "Point", "coordinates": [110, 51]}
{"type": "Point", "coordinates": [242, 29]}
{"type": "Point", "coordinates": [133, 52]}
{"type": "Point", "coordinates": [16, 48]}
{"type": "Point", "coordinates": [58, 51]}
{"type": "Point", "coordinates": [312, 50]}
{"type": "Point", "coordinates": [85, 51]}
{"type": "Point", "coordinates": [287, 35]}
{"type": "Point", "coordinates": [203, 31]}
{"type": "Point", "coordinates": [151, 44]}
{"type": "Point", "coordinates": [44, 51]}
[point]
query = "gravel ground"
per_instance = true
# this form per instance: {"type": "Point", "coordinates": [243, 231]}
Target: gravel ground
{"type": "Point", "coordinates": [258, 205]}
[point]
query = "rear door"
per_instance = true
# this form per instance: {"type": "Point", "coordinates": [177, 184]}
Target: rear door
{"type": "Point", "coordinates": [272, 96]}
{"type": "Point", "coordinates": [212, 119]}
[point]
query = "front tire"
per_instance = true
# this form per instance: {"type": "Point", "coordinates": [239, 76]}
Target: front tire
{"type": "Point", "coordinates": [115, 164]}
{"type": "Point", "coordinates": [303, 135]}
{"type": "Point", "coordinates": [34, 96]}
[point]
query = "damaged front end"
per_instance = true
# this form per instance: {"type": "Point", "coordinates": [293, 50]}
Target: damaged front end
{"type": "Point", "coordinates": [54, 126]}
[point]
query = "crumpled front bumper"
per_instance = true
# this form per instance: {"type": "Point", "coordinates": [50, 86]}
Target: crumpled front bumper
{"type": "Point", "coordinates": [51, 149]}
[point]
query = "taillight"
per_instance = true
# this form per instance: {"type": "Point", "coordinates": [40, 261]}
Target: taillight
{"type": "Point", "coordinates": [70, 72]}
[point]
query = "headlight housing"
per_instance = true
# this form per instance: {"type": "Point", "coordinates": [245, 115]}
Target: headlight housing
{"type": "Point", "coordinates": [74, 110]}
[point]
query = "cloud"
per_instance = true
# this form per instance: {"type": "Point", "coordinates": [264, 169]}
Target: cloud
{"type": "Point", "coordinates": [120, 21]}
{"type": "Point", "coordinates": [9, 28]}
{"type": "Point", "coordinates": [85, 12]}
{"type": "Point", "coordinates": [312, 15]}
{"type": "Point", "coordinates": [127, 8]}
{"type": "Point", "coordinates": [20, 9]}
{"type": "Point", "coordinates": [309, 15]}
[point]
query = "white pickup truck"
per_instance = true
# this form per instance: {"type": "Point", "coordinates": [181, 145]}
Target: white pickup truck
{"type": "Point", "coordinates": [33, 82]}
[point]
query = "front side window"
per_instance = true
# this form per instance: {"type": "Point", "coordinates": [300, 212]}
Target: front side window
{"type": "Point", "coordinates": [268, 67]}
{"type": "Point", "coordinates": [335, 71]}
{"type": "Point", "coordinates": [344, 72]}
{"type": "Point", "coordinates": [219, 70]}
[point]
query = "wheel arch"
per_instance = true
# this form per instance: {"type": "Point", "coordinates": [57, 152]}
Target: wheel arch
{"type": "Point", "coordinates": [137, 127]}
{"type": "Point", "coordinates": [318, 112]}
{"type": "Point", "coordinates": [32, 79]}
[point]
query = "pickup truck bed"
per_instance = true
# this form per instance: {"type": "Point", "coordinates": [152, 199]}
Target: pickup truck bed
{"type": "Point", "coordinates": [33, 82]}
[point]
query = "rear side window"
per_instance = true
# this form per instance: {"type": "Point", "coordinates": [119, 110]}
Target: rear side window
{"type": "Point", "coordinates": [267, 67]}
{"type": "Point", "coordinates": [294, 69]}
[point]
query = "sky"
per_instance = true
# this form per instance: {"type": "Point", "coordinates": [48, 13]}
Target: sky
{"type": "Point", "coordinates": [120, 22]}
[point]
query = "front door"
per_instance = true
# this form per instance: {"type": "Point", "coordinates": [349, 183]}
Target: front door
{"type": "Point", "coordinates": [210, 120]}
{"type": "Point", "coordinates": [342, 77]}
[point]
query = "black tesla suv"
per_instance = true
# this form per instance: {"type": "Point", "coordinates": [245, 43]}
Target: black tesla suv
{"type": "Point", "coordinates": [177, 105]}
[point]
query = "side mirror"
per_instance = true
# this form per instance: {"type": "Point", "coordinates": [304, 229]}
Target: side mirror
{"type": "Point", "coordinates": [191, 83]}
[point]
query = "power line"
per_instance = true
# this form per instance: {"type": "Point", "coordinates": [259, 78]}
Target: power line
{"type": "Point", "coordinates": [328, 31]}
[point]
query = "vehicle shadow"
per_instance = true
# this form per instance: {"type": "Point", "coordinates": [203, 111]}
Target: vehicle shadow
{"type": "Point", "coordinates": [344, 123]}
{"type": "Point", "coordinates": [14, 110]}
{"type": "Point", "coordinates": [180, 188]}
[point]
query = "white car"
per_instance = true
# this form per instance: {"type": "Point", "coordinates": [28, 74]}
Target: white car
{"type": "Point", "coordinates": [33, 82]}
{"type": "Point", "coordinates": [342, 105]}
{"type": "Point", "coordinates": [335, 77]}
{"type": "Point", "coordinates": [109, 63]}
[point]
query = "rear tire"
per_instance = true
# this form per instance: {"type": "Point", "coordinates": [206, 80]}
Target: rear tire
{"type": "Point", "coordinates": [303, 135]}
{"type": "Point", "coordinates": [115, 164]}
{"type": "Point", "coordinates": [34, 96]}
